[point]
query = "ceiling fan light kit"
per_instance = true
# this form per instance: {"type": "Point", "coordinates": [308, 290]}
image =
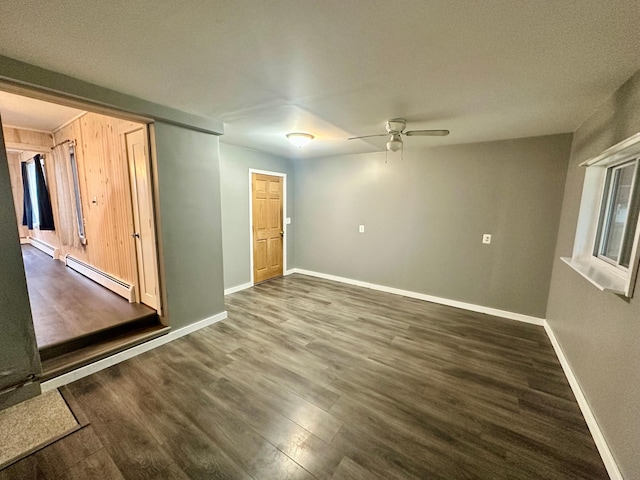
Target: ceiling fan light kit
{"type": "Point", "coordinates": [395, 143]}
{"type": "Point", "coordinates": [300, 139]}
{"type": "Point", "coordinates": [395, 129]}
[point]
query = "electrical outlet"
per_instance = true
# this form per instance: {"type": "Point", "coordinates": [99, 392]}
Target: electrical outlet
{"type": "Point", "coordinates": [361, 228]}
{"type": "Point", "coordinates": [486, 238]}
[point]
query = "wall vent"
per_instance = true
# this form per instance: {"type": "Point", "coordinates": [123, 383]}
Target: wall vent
{"type": "Point", "coordinates": [115, 285]}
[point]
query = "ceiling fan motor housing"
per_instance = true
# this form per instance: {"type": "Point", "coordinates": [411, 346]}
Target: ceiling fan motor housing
{"type": "Point", "coordinates": [396, 125]}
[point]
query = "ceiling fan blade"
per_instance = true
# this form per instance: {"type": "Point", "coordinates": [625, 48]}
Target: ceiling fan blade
{"type": "Point", "coordinates": [427, 133]}
{"type": "Point", "coordinates": [367, 136]}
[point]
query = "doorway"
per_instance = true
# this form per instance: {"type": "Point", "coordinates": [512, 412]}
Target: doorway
{"type": "Point", "coordinates": [92, 274]}
{"type": "Point", "coordinates": [267, 225]}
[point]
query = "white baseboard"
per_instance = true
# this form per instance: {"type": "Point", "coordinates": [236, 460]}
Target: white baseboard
{"type": "Point", "coordinates": [129, 353]}
{"type": "Point", "coordinates": [238, 288]}
{"type": "Point", "coordinates": [244, 286]}
{"type": "Point", "coordinates": [428, 298]}
{"type": "Point", "coordinates": [110, 282]}
{"type": "Point", "coordinates": [594, 428]}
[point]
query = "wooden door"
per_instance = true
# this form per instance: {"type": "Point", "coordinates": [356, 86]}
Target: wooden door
{"type": "Point", "coordinates": [268, 232]}
{"type": "Point", "coordinates": [143, 220]}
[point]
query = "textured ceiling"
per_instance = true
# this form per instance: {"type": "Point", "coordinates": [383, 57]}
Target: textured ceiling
{"type": "Point", "coordinates": [486, 70]}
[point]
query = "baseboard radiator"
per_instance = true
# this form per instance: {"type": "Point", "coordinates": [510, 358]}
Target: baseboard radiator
{"type": "Point", "coordinates": [115, 285]}
{"type": "Point", "coordinates": [50, 250]}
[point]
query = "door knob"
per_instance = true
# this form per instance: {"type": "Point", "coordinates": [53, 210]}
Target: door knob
{"type": "Point", "coordinates": [135, 235]}
{"type": "Point", "coordinates": [281, 233]}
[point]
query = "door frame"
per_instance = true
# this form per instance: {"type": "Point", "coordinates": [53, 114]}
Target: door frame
{"type": "Point", "coordinates": [284, 218]}
{"type": "Point", "coordinates": [89, 106]}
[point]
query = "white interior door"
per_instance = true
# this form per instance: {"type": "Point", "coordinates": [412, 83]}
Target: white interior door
{"type": "Point", "coordinates": [142, 202]}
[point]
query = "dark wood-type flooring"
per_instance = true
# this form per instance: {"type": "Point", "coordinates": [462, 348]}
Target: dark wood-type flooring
{"type": "Point", "coordinates": [66, 305]}
{"type": "Point", "coordinates": [313, 379]}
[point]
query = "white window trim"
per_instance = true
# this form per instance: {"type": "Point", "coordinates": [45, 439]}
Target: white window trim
{"type": "Point", "coordinates": [604, 276]}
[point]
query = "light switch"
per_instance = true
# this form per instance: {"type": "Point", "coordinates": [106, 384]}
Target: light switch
{"type": "Point", "coordinates": [361, 228]}
{"type": "Point", "coordinates": [486, 238]}
{"type": "Point", "coordinates": [287, 221]}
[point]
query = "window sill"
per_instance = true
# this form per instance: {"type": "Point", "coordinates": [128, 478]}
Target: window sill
{"type": "Point", "coordinates": [603, 279]}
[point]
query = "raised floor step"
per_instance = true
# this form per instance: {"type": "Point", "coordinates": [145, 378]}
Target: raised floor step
{"type": "Point", "coordinates": [67, 356]}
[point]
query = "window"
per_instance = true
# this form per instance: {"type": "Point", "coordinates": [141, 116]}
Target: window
{"type": "Point", "coordinates": [618, 215]}
{"type": "Point", "coordinates": [37, 212]}
{"type": "Point", "coordinates": [33, 193]}
{"type": "Point", "coordinates": [606, 245]}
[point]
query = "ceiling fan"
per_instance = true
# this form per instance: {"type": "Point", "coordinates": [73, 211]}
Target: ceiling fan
{"type": "Point", "coordinates": [395, 129]}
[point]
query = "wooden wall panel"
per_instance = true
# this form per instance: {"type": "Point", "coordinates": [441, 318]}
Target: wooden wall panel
{"type": "Point", "coordinates": [106, 195]}
{"type": "Point", "coordinates": [23, 140]}
{"type": "Point", "coordinates": [109, 217]}
{"type": "Point", "coordinates": [26, 137]}
{"type": "Point", "coordinates": [105, 190]}
{"type": "Point", "coordinates": [73, 132]}
{"type": "Point", "coordinates": [15, 175]}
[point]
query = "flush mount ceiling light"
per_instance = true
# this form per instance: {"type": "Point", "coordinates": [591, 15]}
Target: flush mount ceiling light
{"type": "Point", "coordinates": [300, 139]}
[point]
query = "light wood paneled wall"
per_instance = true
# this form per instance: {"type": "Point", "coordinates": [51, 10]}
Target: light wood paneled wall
{"type": "Point", "coordinates": [15, 175]}
{"type": "Point", "coordinates": [72, 131]}
{"type": "Point", "coordinates": [104, 188]}
{"type": "Point", "coordinates": [17, 138]}
{"type": "Point", "coordinates": [106, 195]}
{"type": "Point", "coordinates": [23, 145]}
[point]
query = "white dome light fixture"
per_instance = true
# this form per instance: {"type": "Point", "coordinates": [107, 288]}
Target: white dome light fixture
{"type": "Point", "coordinates": [395, 143]}
{"type": "Point", "coordinates": [300, 139]}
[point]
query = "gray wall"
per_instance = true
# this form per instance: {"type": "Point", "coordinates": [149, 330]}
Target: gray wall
{"type": "Point", "coordinates": [189, 181]}
{"type": "Point", "coordinates": [424, 218]}
{"type": "Point", "coordinates": [600, 332]}
{"type": "Point", "coordinates": [235, 164]}
{"type": "Point", "coordinates": [18, 353]}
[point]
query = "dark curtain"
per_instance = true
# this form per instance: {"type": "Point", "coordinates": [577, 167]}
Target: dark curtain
{"type": "Point", "coordinates": [42, 194]}
{"type": "Point", "coordinates": [27, 214]}
{"type": "Point", "coordinates": [42, 197]}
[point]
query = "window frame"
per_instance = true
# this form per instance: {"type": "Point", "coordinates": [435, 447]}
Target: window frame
{"type": "Point", "coordinates": [601, 271]}
{"type": "Point", "coordinates": [605, 215]}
